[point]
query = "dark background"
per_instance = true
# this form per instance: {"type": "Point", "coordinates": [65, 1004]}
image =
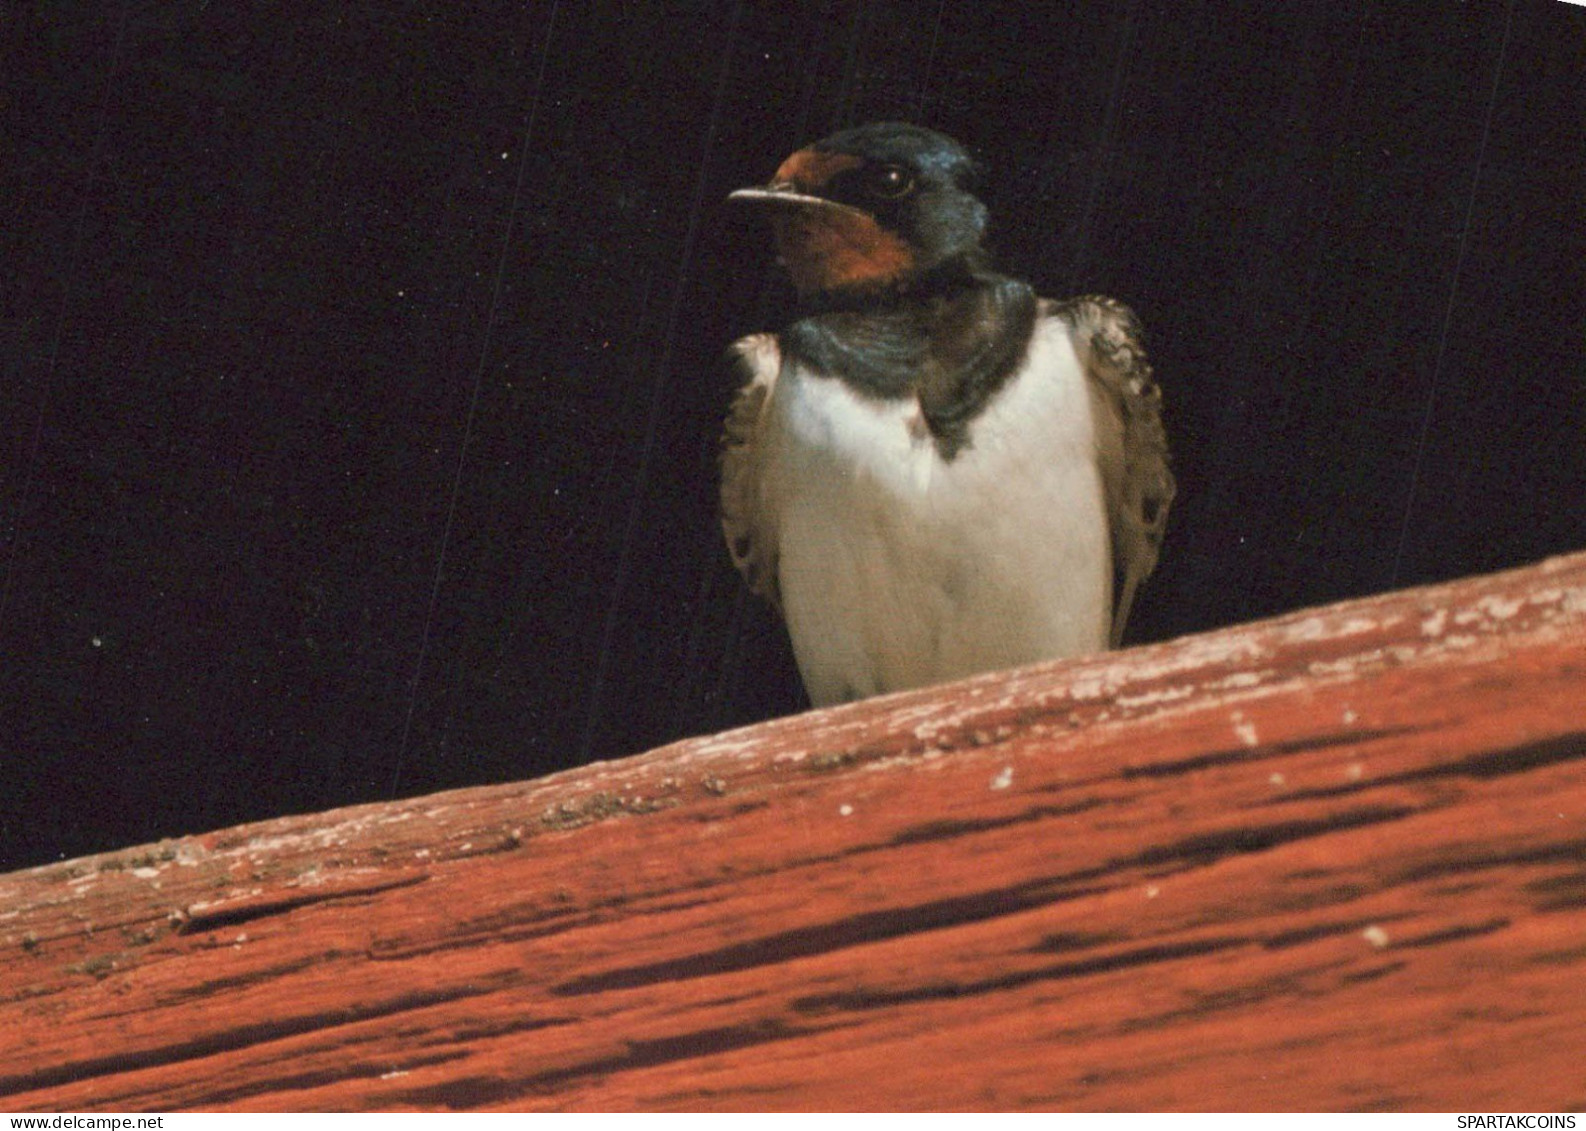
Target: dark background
{"type": "Point", "coordinates": [359, 383]}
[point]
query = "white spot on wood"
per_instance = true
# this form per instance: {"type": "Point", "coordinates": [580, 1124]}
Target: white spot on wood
{"type": "Point", "coordinates": [1433, 625]}
{"type": "Point", "coordinates": [1500, 608]}
{"type": "Point", "coordinates": [1376, 936]}
{"type": "Point", "coordinates": [1152, 891]}
{"type": "Point", "coordinates": [1155, 698]}
{"type": "Point", "coordinates": [1187, 656]}
{"type": "Point", "coordinates": [1245, 730]}
{"type": "Point", "coordinates": [1311, 628]}
{"type": "Point", "coordinates": [1237, 680]}
{"type": "Point", "coordinates": [845, 810]}
{"type": "Point", "coordinates": [1354, 771]}
{"type": "Point", "coordinates": [1277, 781]}
{"type": "Point", "coordinates": [732, 744]}
{"type": "Point", "coordinates": [1003, 779]}
{"type": "Point", "coordinates": [1087, 689]}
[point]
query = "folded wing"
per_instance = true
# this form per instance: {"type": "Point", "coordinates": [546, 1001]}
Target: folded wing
{"type": "Point", "coordinates": [1131, 444]}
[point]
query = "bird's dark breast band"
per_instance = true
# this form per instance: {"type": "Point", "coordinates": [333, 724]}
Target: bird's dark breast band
{"type": "Point", "coordinates": [951, 351]}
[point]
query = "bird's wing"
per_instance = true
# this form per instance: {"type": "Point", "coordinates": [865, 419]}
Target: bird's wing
{"type": "Point", "coordinates": [1131, 444]}
{"type": "Point", "coordinates": [751, 536]}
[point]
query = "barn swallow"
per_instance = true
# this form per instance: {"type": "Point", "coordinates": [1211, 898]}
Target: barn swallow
{"type": "Point", "coordinates": [933, 472]}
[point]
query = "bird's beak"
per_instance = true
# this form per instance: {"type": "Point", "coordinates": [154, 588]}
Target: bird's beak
{"type": "Point", "coordinates": [786, 194]}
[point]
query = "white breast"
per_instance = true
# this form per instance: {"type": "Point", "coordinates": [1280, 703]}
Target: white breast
{"type": "Point", "coordinates": [899, 569]}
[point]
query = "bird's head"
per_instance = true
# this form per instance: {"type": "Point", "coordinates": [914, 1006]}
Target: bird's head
{"type": "Point", "coordinates": [872, 210]}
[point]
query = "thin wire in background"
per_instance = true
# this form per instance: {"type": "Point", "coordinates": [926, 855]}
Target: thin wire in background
{"type": "Point", "coordinates": [846, 93]}
{"type": "Point", "coordinates": [930, 62]}
{"type": "Point", "coordinates": [68, 292]}
{"type": "Point", "coordinates": [473, 400]}
{"type": "Point", "coordinates": [1448, 312]}
{"type": "Point", "coordinates": [1102, 175]}
{"type": "Point", "coordinates": [663, 367]}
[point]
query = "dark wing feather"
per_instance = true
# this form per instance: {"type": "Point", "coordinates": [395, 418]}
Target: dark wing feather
{"type": "Point", "coordinates": [751, 537]}
{"type": "Point", "coordinates": [1131, 443]}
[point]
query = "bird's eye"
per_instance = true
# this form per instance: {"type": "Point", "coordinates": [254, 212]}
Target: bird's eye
{"type": "Point", "coordinates": [889, 182]}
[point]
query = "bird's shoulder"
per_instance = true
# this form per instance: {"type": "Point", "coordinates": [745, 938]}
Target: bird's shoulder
{"type": "Point", "coordinates": [755, 362]}
{"type": "Point", "coordinates": [1132, 447]}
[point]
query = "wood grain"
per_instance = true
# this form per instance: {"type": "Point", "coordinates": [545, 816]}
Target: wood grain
{"type": "Point", "coordinates": [1335, 860]}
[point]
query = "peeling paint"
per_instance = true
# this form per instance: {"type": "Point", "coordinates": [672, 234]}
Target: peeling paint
{"type": "Point", "coordinates": [1501, 608]}
{"type": "Point", "coordinates": [1238, 681]}
{"type": "Point", "coordinates": [1158, 697]}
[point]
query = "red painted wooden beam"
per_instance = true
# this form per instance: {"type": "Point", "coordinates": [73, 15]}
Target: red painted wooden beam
{"type": "Point", "coordinates": [1335, 860]}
